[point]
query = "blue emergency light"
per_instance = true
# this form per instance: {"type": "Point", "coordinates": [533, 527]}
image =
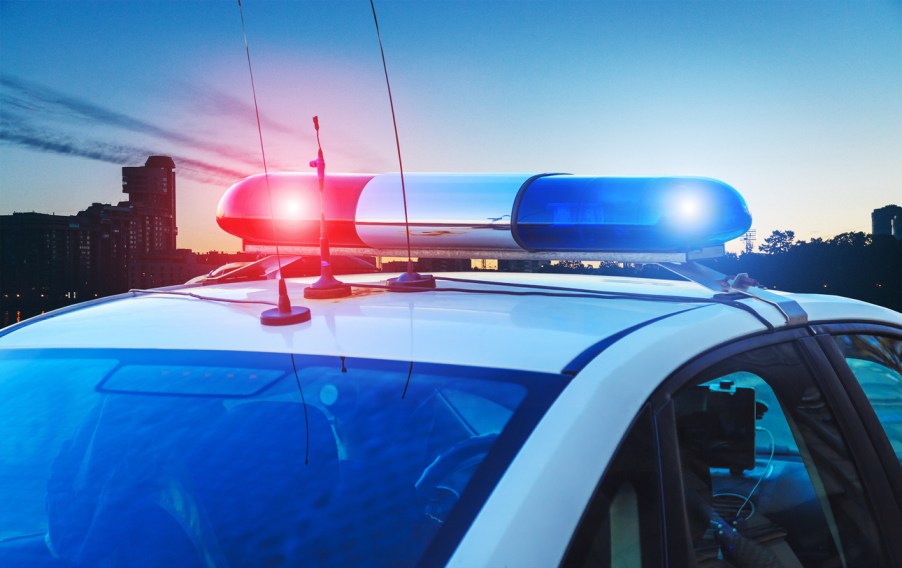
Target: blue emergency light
{"type": "Point", "coordinates": [570, 213]}
{"type": "Point", "coordinates": [490, 215]}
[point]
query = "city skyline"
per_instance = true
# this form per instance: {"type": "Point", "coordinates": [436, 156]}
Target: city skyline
{"type": "Point", "coordinates": [797, 105]}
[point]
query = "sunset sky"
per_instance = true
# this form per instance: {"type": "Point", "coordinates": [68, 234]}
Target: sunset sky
{"type": "Point", "coordinates": [797, 104]}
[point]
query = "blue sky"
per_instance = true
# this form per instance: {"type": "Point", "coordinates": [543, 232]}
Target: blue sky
{"type": "Point", "coordinates": [796, 104]}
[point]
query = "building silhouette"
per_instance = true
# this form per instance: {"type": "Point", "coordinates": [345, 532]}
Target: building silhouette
{"type": "Point", "coordinates": [47, 261]}
{"type": "Point", "coordinates": [521, 265]}
{"type": "Point", "coordinates": [151, 195]}
{"type": "Point", "coordinates": [887, 221]}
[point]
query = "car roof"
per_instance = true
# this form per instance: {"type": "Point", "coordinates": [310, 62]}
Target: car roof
{"type": "Point", "coordinates": [503, 321]}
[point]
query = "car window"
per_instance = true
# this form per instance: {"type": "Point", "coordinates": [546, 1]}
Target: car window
{"type": "Point", "coordinates": [160, 458]}
{"type": "Point", "coordinates": [877, 364]}
{"type": "Point", "coordinates": [35, 424]}
{"type": "Point", "coordinates": [771, 428]}
{"type": "Point", "coordinates": [767, 477]}
{"type": "Point", "coordinates": [622, 524]}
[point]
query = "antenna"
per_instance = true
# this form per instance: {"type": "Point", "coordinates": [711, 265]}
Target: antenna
{"type": "Point", "coordinates": [327, 286]}
{"type": "Point", "coordinates": [749, 239]}
{"type": "Point", "coordinates": [285, 313]}
{"type": "Point", "coordinates": [410, 281]}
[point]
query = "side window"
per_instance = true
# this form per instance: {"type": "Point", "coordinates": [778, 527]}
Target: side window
{"type": "Point", "coordinates": [622, 524]}
{"type": "Point", "coordinates": [877, 364]}
{"type": "Point", "coordinates": [767, 477]}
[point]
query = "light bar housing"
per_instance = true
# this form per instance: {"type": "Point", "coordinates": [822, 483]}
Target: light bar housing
{"type": "Point", "coordinates": [504, 216]}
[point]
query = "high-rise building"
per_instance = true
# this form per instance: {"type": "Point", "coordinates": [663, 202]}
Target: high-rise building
{"type": "Point", "coordinates": [51, 260]}
{"type": "Point", "coordinates": [887, 221]}
{"type": "Point", "coordinates": [151, 193]}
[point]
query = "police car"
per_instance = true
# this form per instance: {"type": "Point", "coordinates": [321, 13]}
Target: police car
{"type": "Point", "coordinates": [470, 419]}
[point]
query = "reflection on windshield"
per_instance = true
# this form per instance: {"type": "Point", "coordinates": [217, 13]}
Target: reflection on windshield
{"type": "Point", "coordinates": [877, 364]}
{"type": "Point", "coordinates": [213, 459]}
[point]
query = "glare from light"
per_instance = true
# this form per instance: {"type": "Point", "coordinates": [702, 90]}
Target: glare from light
{"type": "Point", "coordinates": [292, 208]}
{"type": "Point", "coordinates": [689, 208]}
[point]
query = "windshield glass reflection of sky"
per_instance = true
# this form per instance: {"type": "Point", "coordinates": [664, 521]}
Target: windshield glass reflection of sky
{"type": "Point", "coordinates": [97, 452]}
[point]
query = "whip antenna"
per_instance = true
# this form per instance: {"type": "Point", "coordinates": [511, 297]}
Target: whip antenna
{"type": "Point", "coordinates": [327, 286]}
{"type": "Point", "coordinates": [410, 280]}
{"type": "Point", "coordinates": [285, 314]}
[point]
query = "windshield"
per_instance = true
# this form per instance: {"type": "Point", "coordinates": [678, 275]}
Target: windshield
{"type": "Point", "coordinates": [185, 458]}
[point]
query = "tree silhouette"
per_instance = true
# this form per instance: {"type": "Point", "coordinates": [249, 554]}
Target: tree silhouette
{"type": "Point", "coordinates": [778, 242]}
{"type": "Point", "coordinates": [854, 265]}
{"type": "Point", "coordinates": [858, 239]}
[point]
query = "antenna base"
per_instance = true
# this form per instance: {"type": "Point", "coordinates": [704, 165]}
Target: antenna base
{"type": "Point", "coordinates": [275, 316]}
{"type": "Point", "coordinates": [327, 286]}
{"type": "Point", "coordinates": [412, 282]}
{"type": "Point", "coordinates": [285, 313]}
{"type": "Point", "coordinates": [327, 291]}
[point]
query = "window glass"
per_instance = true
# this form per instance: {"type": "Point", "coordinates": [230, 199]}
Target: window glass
{"type": "Point", "coordinates": [877, 364]}
{"type": "Point", "coordinates": [34, 424]}
{"type": "Point", "coordinates": [622, 524]}
{"type": "Point", "coordinates": [184, 458]}
{"type": "Point", "coordinates": [771, 427]}
{"type": "Point", "coordinates": [767, 478]}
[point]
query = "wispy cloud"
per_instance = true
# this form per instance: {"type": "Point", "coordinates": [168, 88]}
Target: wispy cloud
{"type": "Point", "coordinates": [47, 120]}
{"type": "Point", "coordinates": [16, 131]}
{"type": "Point", "coordinates": [224, 106]}
{"type": "Point", "coordinates": [22, 101]}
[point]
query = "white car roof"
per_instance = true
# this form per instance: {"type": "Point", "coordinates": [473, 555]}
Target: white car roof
{"type": "Point", "coordinates": [525, 328]}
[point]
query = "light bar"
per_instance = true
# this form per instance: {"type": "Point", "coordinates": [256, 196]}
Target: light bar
{"type": "Point", "coordinates": [490, 215]}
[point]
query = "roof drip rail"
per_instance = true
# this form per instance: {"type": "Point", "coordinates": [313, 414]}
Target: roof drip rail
{"type": "Point", "coordinates": [739, 284]}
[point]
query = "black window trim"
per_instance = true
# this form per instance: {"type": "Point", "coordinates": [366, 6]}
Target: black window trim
{"type": "Point", "coordinates": [860, 403]}
{"type": "Point", "coordinates": [573, 547]}
{"type": "Point", "coordinates": [676, 550]}
{"type": "Point", "coordinates": [677, 547]}
{"type": "Point", "coordinates": [876, 484]}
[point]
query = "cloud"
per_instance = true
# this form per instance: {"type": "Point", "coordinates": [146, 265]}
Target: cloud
{"type": "Point", "coordinates": [14, 130]}
{"type": "Point", "coordinates": [41, 119]}
{"type": "Point", "coordinates": [220, 104]}
{"type": "Point", "coordinates": [29, 98]}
